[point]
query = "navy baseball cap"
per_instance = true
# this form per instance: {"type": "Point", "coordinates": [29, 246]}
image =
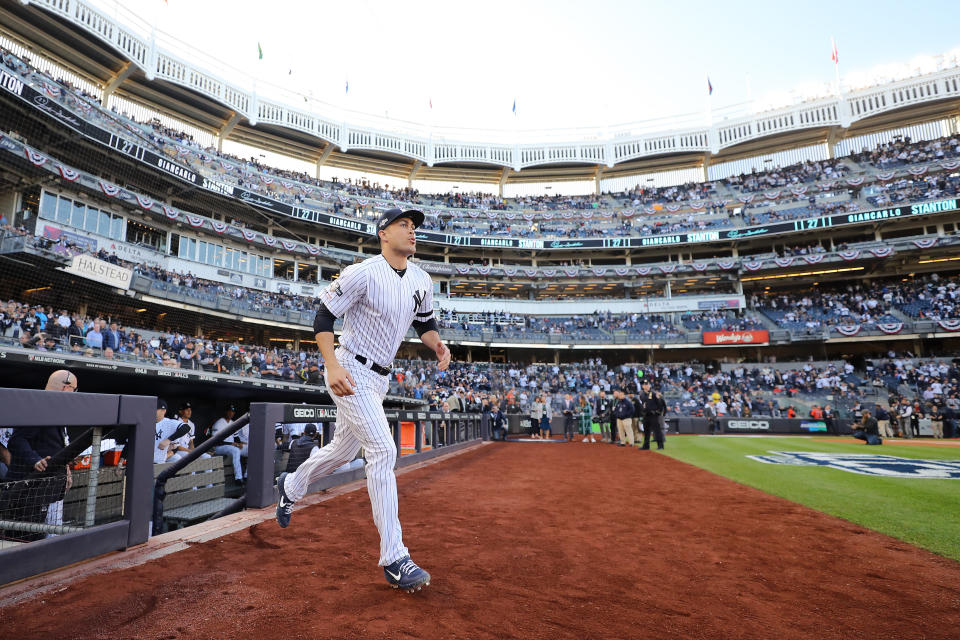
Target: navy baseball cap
{"type": "Point", "coordinates": [391, 215]}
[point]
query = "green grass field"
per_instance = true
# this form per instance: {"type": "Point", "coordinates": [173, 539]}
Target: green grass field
{"type": "Point", "coordinates": [924, 512]}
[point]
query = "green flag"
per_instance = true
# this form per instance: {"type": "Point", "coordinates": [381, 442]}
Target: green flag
{"type": "Point", "coordinates": [260, 50]}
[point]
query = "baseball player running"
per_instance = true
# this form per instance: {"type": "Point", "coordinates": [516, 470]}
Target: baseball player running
{"type": "Point", "coordinates": [379, 298]}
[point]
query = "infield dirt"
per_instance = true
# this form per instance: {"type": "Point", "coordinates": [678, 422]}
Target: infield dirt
{"type": "Point", "coordinates": [530, 541]}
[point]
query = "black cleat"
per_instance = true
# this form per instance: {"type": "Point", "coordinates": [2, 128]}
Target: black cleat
{"type": "Point", "coordinates": [405, 574]}
{"type": "Point", "coordinates": [284, 504]}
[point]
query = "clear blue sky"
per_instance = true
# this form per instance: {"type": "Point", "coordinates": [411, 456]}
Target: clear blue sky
{"type": "Point", "coordinates": [566, 63]}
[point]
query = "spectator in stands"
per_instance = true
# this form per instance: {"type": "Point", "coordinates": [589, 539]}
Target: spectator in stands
{"type": "Point", "coordinates": [76, 335]}
{"type": "Point", "coordinates": [111, 337]}
{"type": "Point", "coordinates": [268, 369]}
{"type": "Point", "coordinates": [233, 447]}
{"type": "Point", "coordinates": [190, 356]}
{"type": "Point", "coordinates": [94, 338]}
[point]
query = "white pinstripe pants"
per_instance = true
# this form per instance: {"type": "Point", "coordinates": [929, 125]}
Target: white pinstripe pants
{"type": "Point", "coordinates": [361, 423]}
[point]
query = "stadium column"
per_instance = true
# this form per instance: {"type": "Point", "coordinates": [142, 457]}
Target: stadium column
{"type": "Point", "coordinates": [413, 172]}
{"type": "Point", "coordinates": [115, 82]}
{"type": "Point", "coordinates": [503, 179]}
{"type": "Point", "coordinates": [834, 136]}
{"type": "Point", "coordinates": [322, 160]}
{"type": "Point", "coordinates": [226, 129]}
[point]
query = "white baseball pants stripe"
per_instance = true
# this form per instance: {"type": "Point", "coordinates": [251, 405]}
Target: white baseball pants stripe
{"type": "Point", "coordinates": [361, 423]}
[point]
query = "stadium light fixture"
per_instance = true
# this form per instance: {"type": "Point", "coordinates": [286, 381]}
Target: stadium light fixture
{"type": "Point", "coordinates": [805, 273]}
{"type": "Point", "coordinates": [936, 260]}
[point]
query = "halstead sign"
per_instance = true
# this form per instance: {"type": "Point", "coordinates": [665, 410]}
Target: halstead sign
{"type": "Point", "coordinates": [100, 271]}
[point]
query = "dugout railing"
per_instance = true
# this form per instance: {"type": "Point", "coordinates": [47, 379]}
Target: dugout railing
{"type": "Point", "coordinates": [418, 435]}
{"type": "Point", "coordinates": [83, 532]}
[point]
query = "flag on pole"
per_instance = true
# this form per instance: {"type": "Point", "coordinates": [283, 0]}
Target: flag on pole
{"type": "Point", "coordinates": [709, 87]}
{"type": "Point", "coordinates": [834, 56]}
{"type": "Point", "coordinates": [514, 106]}
{"type": "Point", "coordinates": [260, 51]}
{"type": "Point", "coordinates": [347, 89]}
{"type": "Point", "coordinates": [431, 103]}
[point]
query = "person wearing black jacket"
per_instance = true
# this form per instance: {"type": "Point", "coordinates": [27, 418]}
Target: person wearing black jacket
{"type": "Point", "coordinates": [867, 429]}
{"type": "Point", "coordinates": [302, 447]}
{"type": "Point", "coordinates": [31, 449]}
{"type": "Point", "coordinates": [623, 412]}
{"type": "Point", "coordinates": [601, 414]}
{"type": "Point", "coordinates": [653, 407]}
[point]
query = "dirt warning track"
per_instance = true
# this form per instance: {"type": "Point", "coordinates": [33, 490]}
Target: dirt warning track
{"type": "Point", "coordinates": [529, 541]}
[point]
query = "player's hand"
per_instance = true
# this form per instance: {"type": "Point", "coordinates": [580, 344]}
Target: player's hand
{"type": "Point", "coordinates": [443, 356]}
{"type": "Point", "coordinates": [41, 465]}
{"type": "Point", "coordinates": [339, 380]}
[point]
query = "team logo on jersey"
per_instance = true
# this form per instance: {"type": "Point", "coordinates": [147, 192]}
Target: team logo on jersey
{"type": "Point", "coordinates": [418, 297]}
{"type": "Point", "coordinates": [336, 289]}
{"type": "Point", "coordinates": [867, 464]}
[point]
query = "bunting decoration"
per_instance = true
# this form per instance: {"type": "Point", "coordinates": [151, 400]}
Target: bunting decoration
{"type": "Point", "coordinates": [813, 259]}
{"type": "Point", "coordinates": [747, 199]}
{"type": "Point", "coordinates": [643, 270]}
{"type": "Point", "coordinates": [286, 185]}
{"type": "Point", "coordinates": [549, 272]}
{"type": "Point", "coordinates": [949, 325]}
{"type": "Point", "coordinates": [248, 235]}
{"type": "Point", "coordinates": [312, 250]}
{"type": "Point", "coordinates": [597, 271]}
{"type": "Point", "coordinates": [67, 173]}
{"type": "Point", "coordinates": [463, 270]}
{"type": "Point", "coordinates": [35, 158]}
{"type": "Point", "coordinates": [950, 165]}
{"type": "Point", "coordinates": [672, 208]}
{"type": "Point", "coordinates": [621, 271]}
{"type": "Point", "coordinates": [111, 190]}
{"type": "Point", "coordinates": [849, 255]}
{"type": "Point", "coordinates": [668, 268]}
{"type": "Point", "coordinates": [270, 241]}
{"type": "Point", "coordinates": [510, 271]}
{"type": "Point", "coordinates": [848, 330]}
{"type": "Point", "coordinates": [483, 270]}
{"type": "Point", "coordinates": [530, 273]}
{"type": "Point", "coordinates": [266, 179]}
{"type": "Point", "coordinates": [289, 246]}
{"type": "Point", "coordinates": [699, 266]}
{"type": "Point", "coordinates": [195, 221]}
{"type": "Point", "coordinates": [572, 273]}
{"type": "Point", "coordinates": [726, 265]}
{"type": "Point", "coordinates": [798, 190]}
{"type": "Point", "coordinates": [219, 227]}
{"type": "Point", "coordinates": [925, 243]}
{"type": "Point", "coordinates": [885, 176]}
{"type": "Point", "coordinates": [854, 182]}
{"type": "Point", "coordinates": [882, 252]}
{"type": "Point", "coordinates": [170, 212]}
{"type": "Point", "coordinates": [753, 265]}
{"type": "Point", "coordinates": [917, 171]}
{"type": "Point", "coordinates": [890, 328]}
{"type": "Point", "coordinates": [783, 262]}
{"type": "Point", "coordinates": [771, 195]}
{"type": "Point", "coordinates": [144, 202]}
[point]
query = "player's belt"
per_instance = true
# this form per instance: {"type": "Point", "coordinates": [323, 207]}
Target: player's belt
{"type": "Point", "coordinates": [376, 368]}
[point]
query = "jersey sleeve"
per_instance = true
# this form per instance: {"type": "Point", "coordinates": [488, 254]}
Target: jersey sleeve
{"type": "Point", "coordinates": [344, 292]}
{"type": "Point", "coordinates": [424, 311]}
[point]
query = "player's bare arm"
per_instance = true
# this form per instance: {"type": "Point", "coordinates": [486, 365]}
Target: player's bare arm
{"type": "Point", "coordinates": [432, 340]}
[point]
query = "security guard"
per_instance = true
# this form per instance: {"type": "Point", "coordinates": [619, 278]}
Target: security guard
{"type": "Point", "coordinates": [653, 407]}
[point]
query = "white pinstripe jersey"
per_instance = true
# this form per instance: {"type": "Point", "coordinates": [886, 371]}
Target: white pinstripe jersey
{"type": "Point", "coordinates": [378, 306]}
